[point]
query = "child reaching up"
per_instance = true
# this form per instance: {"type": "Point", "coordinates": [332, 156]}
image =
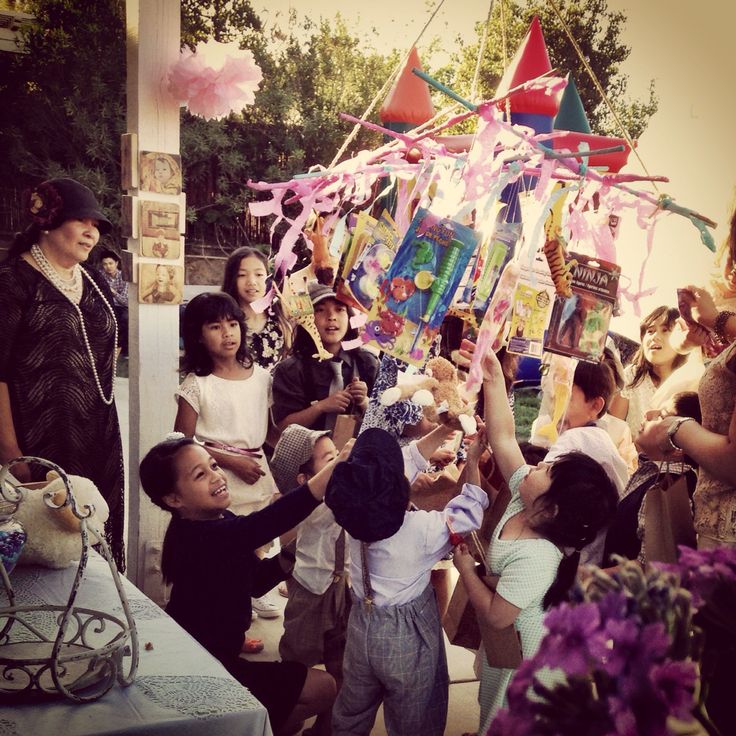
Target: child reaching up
{"type": "Point", "coordinates": [395, 649]}
{"type": "Point", "coordinates": [556, 509]}
{"type": "Point", "coordinates": [209, 558]}
{"type": "Point", "coordinates": [225, 401]}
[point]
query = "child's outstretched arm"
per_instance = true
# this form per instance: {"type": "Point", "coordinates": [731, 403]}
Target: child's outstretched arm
{"type": "Point", "coordinates": [318, 482]}
{"type": "Point", "coordinates": [431, 441]}
{"type": "Point", "coordinates": [500, 425]}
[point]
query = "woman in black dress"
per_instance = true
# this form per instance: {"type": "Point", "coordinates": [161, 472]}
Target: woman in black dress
{"type": "Point", "coordinates": [58, 343]}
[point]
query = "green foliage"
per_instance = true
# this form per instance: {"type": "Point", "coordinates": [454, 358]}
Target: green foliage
{"type": "Point", "coordinates": [597, 31]}
{"type": "Point", "coordinates": [62, 104]}
{"type": "Point", "coordinates": [526, 408]}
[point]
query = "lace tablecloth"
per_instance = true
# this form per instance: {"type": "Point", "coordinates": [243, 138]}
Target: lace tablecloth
{"type": "Point", "coordinates": [179, 689]}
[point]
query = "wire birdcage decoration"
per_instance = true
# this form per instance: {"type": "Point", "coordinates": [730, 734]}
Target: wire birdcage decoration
{"type": "Point", "coordinates": [69, 650]}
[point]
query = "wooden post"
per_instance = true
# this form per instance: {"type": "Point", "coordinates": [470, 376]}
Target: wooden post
{"type": "Point", "coordinates": [153, 41]}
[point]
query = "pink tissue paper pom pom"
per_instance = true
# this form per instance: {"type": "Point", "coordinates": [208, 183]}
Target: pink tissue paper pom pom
{"type": "Point", "coordinates": [215, 80]}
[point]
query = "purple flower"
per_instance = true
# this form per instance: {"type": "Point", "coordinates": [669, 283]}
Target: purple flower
{"type": "Point", "coordinates": [623, 718]}
{"type": "Point", "coordinates": [674, 685]}
{"type": "Point", "coordinates": [574, 638]}
{"type": "Point", "coordinates": [521, 681]}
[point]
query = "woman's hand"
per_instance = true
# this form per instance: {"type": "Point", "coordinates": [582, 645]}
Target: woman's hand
{"type": "Point", "coordinates": [687, 336]}
{"type": "Point", "coordinates": [463, 560]}
{"type": "Point", "coordinates": [246, 469]}
{"type": "Point", "coordinates": [336, 403]}
{"type": "Point", "coordinates": [441, 457]}
{"type": "Point", "coordinates": [702, 306]}
{"type": "Point", "coordinates": [652, 439]}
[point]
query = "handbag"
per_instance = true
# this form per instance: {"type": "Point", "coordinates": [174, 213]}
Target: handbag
{"type": "Point", "coordinates": [346, 426]}
{"type": "Point", "coordinates": [463, 627]}
{"type": "Point", "coordinates": [668, 518]}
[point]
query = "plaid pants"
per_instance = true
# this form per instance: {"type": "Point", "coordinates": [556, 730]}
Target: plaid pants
{"type": "Point", "coordinates": [395, 655]}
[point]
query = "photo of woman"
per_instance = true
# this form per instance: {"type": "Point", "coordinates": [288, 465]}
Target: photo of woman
{"type": "Point", "coordinates": [160, 284]}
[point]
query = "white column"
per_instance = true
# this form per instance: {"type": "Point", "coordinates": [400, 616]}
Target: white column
{"type": "Point", "coordinates": [153, 39]}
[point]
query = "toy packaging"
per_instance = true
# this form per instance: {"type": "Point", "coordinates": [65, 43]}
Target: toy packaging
{"type": "Point", "coordinates": [532, 303]}
{"type": "Point", "coordinates": [364, 279]}
{"type": "Point", "coordinates": [416, 293]}
{"type": "Point", "coordinates": [499, 251]}
{"type": "Point", "coordinates": [579, 323]}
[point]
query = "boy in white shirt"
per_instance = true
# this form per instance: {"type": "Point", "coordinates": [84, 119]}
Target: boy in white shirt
{"type": "Point", "coordinates": [316, 613]}
{"type": "Point", "coordinates": [395, 650]}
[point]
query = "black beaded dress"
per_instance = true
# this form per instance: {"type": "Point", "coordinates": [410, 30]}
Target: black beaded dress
{"type": "Point", "coordinates": [57, 410]}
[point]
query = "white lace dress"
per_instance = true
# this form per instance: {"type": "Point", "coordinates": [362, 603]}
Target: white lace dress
{"type": "Point", "coordinates": [235, 413]}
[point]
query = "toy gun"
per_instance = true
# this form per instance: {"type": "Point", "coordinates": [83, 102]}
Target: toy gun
{"type": "Point", "coordinates": [443, 277]}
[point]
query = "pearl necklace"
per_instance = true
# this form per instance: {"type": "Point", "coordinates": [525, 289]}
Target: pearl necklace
{"type": "Point", "coordinates": [73, 292]}
{"type": "Point", "coordinates": [71, 288]}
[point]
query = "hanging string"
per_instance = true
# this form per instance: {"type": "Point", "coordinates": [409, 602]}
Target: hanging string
{"type": "Point", "coordinates": [504, 51]}
{"type": "Point", "coordinates": [600, 89]}
{"type": "Point", "coordinates": [382, 92]}
{"type": "Point", "coordinates": [481, 52]}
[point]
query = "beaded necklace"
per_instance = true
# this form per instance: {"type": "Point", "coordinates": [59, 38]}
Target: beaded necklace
{"type": "Point", "coordinates": [72, 290]}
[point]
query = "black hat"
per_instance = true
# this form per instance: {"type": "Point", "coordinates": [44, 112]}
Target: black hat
{"type": "Point", "coordinates": [368, 493]}
{"type": "Point", "coordinates": [55, 201]}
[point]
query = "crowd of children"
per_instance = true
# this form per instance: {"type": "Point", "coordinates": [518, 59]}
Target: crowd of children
{"type": "Point", "coordinates": [256, 456]}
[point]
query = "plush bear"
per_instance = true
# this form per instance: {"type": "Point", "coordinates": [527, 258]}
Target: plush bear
{"type": "Point", "coordinates": [54, 538]}
{"type": "Point", "coordinates": [438, 391]}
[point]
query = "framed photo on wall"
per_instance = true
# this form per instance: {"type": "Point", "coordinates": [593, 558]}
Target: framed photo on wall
{"type": "Point", "coordinates": [159, 230]}
{"type": "Point", "coordinates": [160, 283]}
{"type": "Point", "coordinates": [160, 172]}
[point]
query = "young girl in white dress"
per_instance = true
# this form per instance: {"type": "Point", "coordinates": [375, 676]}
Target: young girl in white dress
{"type": "Point", "coordinates": [226, 399]}
{"type": "Point", "coordinates": [225, 402]}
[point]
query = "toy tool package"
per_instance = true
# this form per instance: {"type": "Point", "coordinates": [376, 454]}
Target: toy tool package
{"type": "Point", "coordinates": [531, 307]}
{"type": "Point", "coordinates": [579, 323]}
{"type": "Point", "coordinates": [406, 315]}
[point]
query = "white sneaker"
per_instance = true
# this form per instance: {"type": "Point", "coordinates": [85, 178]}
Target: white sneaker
{"type": "Point", "coordinates": [265, 608]}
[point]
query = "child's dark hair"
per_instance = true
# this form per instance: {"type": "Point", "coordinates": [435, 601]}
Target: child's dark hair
{"type": "Point", "coordinates": [642, 367]}
{"type": "Point", "coordinates": [303, 345]}
{"type": "Point", "coordinates": [157, 473]}
{"type": "Point", "coordinates": [595, 380]}
{"type": "Point", "coordinates": [157, 476]}
{"type": "Point", "coordinates": [205, 308]}
{"type": "Point", "coordinates": [107, 253]}
{"type": "Point", "coordinates": [581, 501]}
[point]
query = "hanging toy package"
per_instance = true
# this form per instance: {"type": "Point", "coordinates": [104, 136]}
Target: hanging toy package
{"type": "Point", "coordinates": [579, 323]}
{"type": "Point", "coordinates": [419, 287]}
{"type": "Point", "coordinates": [532, 303]}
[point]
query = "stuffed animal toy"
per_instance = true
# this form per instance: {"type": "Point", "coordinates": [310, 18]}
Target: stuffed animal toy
{"type": "Point", "coordinates": [54, 538]}
{"type": "Point", "coordinates": [438, 391]}
{"type": "Point", "coordinates": [448, 402]}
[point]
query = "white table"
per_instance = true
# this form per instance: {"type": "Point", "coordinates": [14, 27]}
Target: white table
{"type": "Point", "coordinates": [179, 689]}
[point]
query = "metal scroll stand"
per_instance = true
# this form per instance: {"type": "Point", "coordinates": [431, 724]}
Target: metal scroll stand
{"type": "Point", "coordinates": [84, 654]}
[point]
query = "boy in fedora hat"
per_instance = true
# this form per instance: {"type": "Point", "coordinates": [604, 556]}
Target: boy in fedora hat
{"type": "Point", "coordinates": [316, 613]}
{"type": "Point", "coordinates": [395, 650]}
